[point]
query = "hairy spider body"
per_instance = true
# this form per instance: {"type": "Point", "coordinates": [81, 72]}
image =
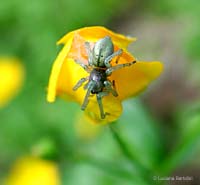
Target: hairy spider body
{"type": "Point", "coordinates": [99, 68]}
{"type": "Point", "coordinates": [98, 76]}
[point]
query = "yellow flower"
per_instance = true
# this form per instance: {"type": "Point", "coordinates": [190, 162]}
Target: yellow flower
{"type": "Point", "coordinates": [129, 81]}
{"type": "Point", "coordinates": [11, 79]}
{"type": "Point", "coordinates": [33, 171]}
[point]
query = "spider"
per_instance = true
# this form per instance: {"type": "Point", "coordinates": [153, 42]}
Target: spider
{"type": "Point", "coordinates": [99, 68]}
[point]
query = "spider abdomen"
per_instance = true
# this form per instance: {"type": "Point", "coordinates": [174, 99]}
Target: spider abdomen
{"type": "Point", "coordinates": [98, 76]}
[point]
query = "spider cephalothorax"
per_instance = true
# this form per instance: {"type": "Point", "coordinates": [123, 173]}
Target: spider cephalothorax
{"type": "Point", "coordinates": [99, 68]}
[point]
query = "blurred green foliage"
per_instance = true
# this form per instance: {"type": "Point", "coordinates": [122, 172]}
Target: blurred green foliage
{"type": "Point", "coordinates": [187, 14]}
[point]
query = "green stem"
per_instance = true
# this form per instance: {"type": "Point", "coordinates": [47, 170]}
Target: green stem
{"type": "Point", "coordinates": [144, 172]}
{"type": "Point", "coordinates": [123, 146]}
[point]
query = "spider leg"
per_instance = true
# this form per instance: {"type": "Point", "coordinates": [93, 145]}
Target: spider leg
{"type": "Point", "coordinates": [117, 59]}
{"type": "Point", "coordinates": [80, 82]}
{"type": "Point", "coordinates": [109, 58]}
{"type": "Point", "coordinates": [85, 67]}
{"type": "Point", "coordinates": [114, 68]}
{"type": "Point", "coordinates": [86, 100]}
{"type": "Point", "coordinates": [86, 86]}
{"type": "Point", "coordinates": [108, 86]}
{"type": "Point", "coordinates": [89, 53]}
{"type": "Point", "coordinates": [99, 101]}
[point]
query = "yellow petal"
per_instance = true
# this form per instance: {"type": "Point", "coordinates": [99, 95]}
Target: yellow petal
{"type": "Point", "coordinates": [132, 80]}
{"type": "Point", "coordinates": [32, 171]}
{"type": "Point", "coordinates": [69, 75]}
{"type": "Point", "coordinates": [55, 72]}
{"type": "Point", "coordinates": [78, 50]}
{"type": "Point", "coordinates": [94, 33]}
{"type": "Point", "coordinates": [11, 79]}
{"type": "Point", "coordinates": [112, 107]}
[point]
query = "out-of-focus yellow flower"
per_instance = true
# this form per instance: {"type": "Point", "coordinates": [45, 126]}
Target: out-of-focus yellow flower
{"type": "Point", "coordinates": [33, 171]}
{"type": "Point", "coordinates": [85, 128]}
{"type": "Point", "coordinates": [11, 79]}
{"type": "Point", "coordinates": [129, 81]}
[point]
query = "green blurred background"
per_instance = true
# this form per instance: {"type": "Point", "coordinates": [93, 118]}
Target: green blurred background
{"type": "Point", "coordinates": [161, 127]}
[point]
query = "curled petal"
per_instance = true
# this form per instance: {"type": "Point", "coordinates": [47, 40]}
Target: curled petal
{"type": "Point", "coordinates": [70, 74]}
{"type": "Point", "coordinates": [112, 107]}
{"type": "Point", "coordinates": [57, 66]}
{"type": "Point", "coordinates": [132, 80]}
{"type": "Point", "coordinates": [94, 33]}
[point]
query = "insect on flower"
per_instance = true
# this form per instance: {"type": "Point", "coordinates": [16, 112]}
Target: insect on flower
{"type": "Point", "coordinates": [92, 70]}
{"type": "Point", "coordinates": [99, 69]}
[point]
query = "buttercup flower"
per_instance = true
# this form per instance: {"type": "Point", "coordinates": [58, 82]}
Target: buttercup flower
{"type": "Point", "coordinates": [129, 81]}
{"type": "Point", "coordinates": [11, 79]}
{"type": "Point", "coordinates": [33, 171]}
